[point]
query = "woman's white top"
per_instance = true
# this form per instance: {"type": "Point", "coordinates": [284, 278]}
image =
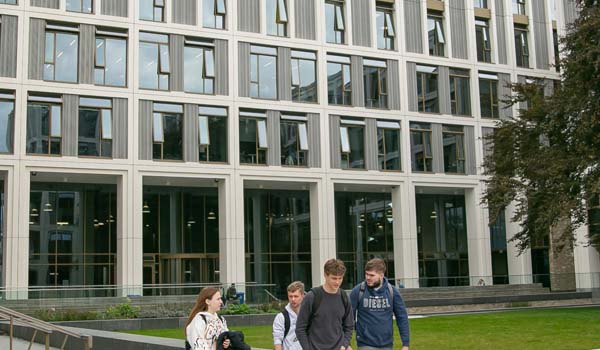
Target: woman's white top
{"type": "Point", "coordinates": [203, 335]}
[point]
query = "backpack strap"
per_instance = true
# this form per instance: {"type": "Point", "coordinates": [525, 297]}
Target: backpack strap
{"type": "Point", "coordinates": [391, 290]}
{"type": "Point", "coordinates": [286, 322]}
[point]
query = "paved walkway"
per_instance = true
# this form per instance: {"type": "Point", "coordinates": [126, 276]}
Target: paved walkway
{"type": "Point", "coordinates": [19, 344]}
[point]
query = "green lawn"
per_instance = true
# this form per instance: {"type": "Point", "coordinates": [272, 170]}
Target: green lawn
{"type": "Point", "coordinates": [574, 328]}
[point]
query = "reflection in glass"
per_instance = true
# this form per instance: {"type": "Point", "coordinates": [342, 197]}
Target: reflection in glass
{"type": "Point", "coordinates": [435, 32]}
{"type": "Point", "coordinates": [385, 26]}
{"type": "Point", "coordinates": [199, 69]}
{"type": "Point", "coordinates": [253, 141]}
{"type": "Point", "coordinates": [454, 149]}
{"type": "Point", "coordinates": [111, 61]}
{"type": "Point", "coordinates": [61, 57]}
{"type": "Point", "coordinates": [460, 92]}
{"type": "Point", "coordinates": [83, 6]}
{"type": "Point", "coordinates": [95, 131]}
{"type": "Point", "coordinates": [152, 10]}
{"type": "Point", "coordinates": [334, 22]}
{"type": "Point", "coordinates": [388, 145]}
{"type": "Point", "coordinates": [7, 118]}
{"type": "Point", "coordinates": [304, 76]}
{"type": "Point", "coordinates": [498, 248]}
{"type": "Point", "coordinates": [277, 18]}
{"type": "Point", "coordinates": [375, 80]}
{"type": "Point", "coordinates": [488, 98]}
{"type": "Point", "coordinates": [420, 147]}
{"type": "Point", "coordinates": [213, 14]}
{"type": "Point", "coordinates": [427, 91]}
{"type": "Point", "coordinates": [294, 143]}
{"type": "Point", "coordinates": [43, 128]}
{"type": "Point", "coordinates": [442, 240]}
{"type": "Point", "coordinates": [213, 138]}
{"type": "Point", "coordinates": [521, 47]}
{"type": "Point", "coordinates": [339, 84]}
{"type": "Point", "coordinates": [352, 146]}
{"type": "Point", "coordinates": [73, 229]}
{"type": "Point", "coordinates": [482, 38]}
{"type": "Point", "coordinates": [263, 74]}
{"type": "Point", "coordinates": [277, 238]}
{"type": "Point", "coordinates": [168, 136]}
{"type": "Point", "coordinates": [154, 61]}
{"type": "Point", "coordinates": [363, 231]}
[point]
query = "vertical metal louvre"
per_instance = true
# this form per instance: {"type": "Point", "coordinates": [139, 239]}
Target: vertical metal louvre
{"type": "Point", "coordinates": [119, 128]}
{"type": "Point", "coordinates": [371, 146]}
{"type": "Point", "coordinates": [393, 81]}
{"type": "Point", "coordinates": [243, 69]}
{"type": "Point", "coordinates": [145, 128]}
{"type": "Point", "coordinates": [50, 4]}
{"type": "Point", "coordinates": [411, 85]}
{"type": "Point", "coordinates": [114, 7]}
{"type": "Point", "coordinates": [504, 93]}
{"type": "Point", "coordinates": [184, 11]}
{"type": "Point", "coordinates": [444, 89]}
{"type": "Point", "coordinates": [542, 58]}
{"type": "Point", "coordinates": [470, 158]}
{"type": "Point", "coordinates": [176, 46]}
{"type": "Point", "coordinates": [358, 84]}
{"type": "Point", "coordinates": [334, 141]}
{"type": "Point", "coordinates": [274, 138]}
{"type": "Point", "coordinates": [190, 133]}
{"type": "Point", "coordinates": [284, 73]}
{"type": "Point", "coordinates": [37, 29]}
{"type": "Point", "coordinates": [249, 15]}
{"type": "Point", "coordinates": [437, 148]}
{"type": "Point", "coordinates": [69, 127]}
{"type": "Point", "coordinates": [87, 45]}
{"type": "Point", "coordinates": [361, 23]}
{"type": "Point", "coordinates": [501, 32]}
{"type": "Point", "coordinates": [458, 29]}
{"type": "Point", "coordinates": [221, 67]}
{"type": "Point", "coordinates": [305, 19]}
{"type": "Point", "coordinates": [570, 11]}
{"type": "Point", "coordinates": [314, 140]}
{"type": "Point", "coordinates": [413, 26]}
{"type": "Point", "coordinates": [8, 46]}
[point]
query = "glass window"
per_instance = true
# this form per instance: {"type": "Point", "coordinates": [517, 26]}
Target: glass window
{"type": "Point", "coordinates": [556, 48]}
{"type": "Point", "coordinates": [198, 69]}
{"type": "Point", "coordinates": [60, 62]}
{"type": "Point", "coordinates": [263, 72]}
{"type": "Point", "coordinates": [427, 89]}
{"type": "Point", "coordinates": [334, 22]}
{"type": "Point", "coordinates": [480, 4]}
{"type": "Point", "coordinates": [44, 128]}
{"type": "Point", "coordinates": [339, 82]}
{"type": "Point", "coordinates": [521, 47]}
{"type": "Point", "coordinates": [460, 92]}
{"type": "Point", "coordinates": [435, 32]}
{"type": "Point", "coordinates": [375, 79]}
{"type": "Point", "coordinates": [213, 14]}
{"type": "Point", "coordinates": [304, 76]}
{"type": "Point", "coordinates": [7, 119]}
{"type": "Point", "coordinates": [352, 139]}
{"type": "Point", "coordinates": [95, 127]}
{"type": "Point", "coordinates": [385, 26]}
{"type": "Point", "coordinates": [488, 95]}
{"type": "Point", "coordinates": [83, 6]}
{"type": "Point", "coordinates": [388, 145]}
{"type": "Point", "coordinates": [9, 2]}
{"type": "Point", "coordinates": [499, 251]}
{"type": "Point", "coordinates": [253, 140]}
{"type": "Point", "coordinates": [518, 7]}
{"type": "Point", "coordinates": [454, 149]}
{"type": "Point", "coordinates": [167, 131]}
{"type": "Point", "coordinates": [154, 61]}
{"type": "Point", "coordinates": [277, 18]}
{"type": "Point", "coordinates": [110, 60]}
{"type": "Point", "coordinates": [152, 10]}
{"type": "Point", "coordinates": [294, 141]}
{"type": "Point", "coordinates": [482, 37]}
{"type": "Point", "coordinates": [420, 147]}
{"type": "Point", "coordinates": [212, 122]}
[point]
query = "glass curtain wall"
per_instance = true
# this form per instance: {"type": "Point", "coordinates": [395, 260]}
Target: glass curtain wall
{"type": "Point", "coordinates": [180, 238]}
{"type": "Point", "coordinates": [499, 254]}
{"type": "Point", "coordinates": [72, 237]}
{"type": "Point", "coordinates": [277, 240]}
{"type": "Point", "coordinates": [442, 240]}
{"type": "Point", "coordinates": [540, 261]}
{"type": "Point", "coordinates": [364, 230]}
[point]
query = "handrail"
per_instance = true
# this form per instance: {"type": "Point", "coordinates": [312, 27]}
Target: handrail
{"type": "Point", "coordinates": [17, 318]}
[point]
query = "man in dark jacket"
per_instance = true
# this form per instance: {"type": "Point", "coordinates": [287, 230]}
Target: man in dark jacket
{"type": "Point", "coordinates": [375, 301]}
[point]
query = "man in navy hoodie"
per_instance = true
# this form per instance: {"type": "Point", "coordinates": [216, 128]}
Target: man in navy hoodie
{"type": "Point", "coordinates": [374, 301]}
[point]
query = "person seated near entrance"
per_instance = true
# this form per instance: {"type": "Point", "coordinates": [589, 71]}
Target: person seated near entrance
{"type": "Point", "coordinates": [232, 295]}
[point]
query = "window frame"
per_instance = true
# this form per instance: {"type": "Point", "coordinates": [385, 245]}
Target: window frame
{"type": "Point", "coordinates": [345, 158]}
{"type": "Point", "coordinates": [109, 35]}
{"type": "Point", "coordinates": [494, 107]}
{"type": "Point", "coordinates": [156, 4]}
{"type": "Point", "coordinates": [261, 146]}
{"type": "Point", "coordinates": [156, 110]}
{"type": "Point", "coordinates": [159, 66]}
{"type": "Point", "coordinates": [383, 126]}
{"type": "Point", "coordinates": [382, 77]}
{"type": "Point", "coordinates": [454, 103]}
{"type": "Point", "coordinates": [91, 12]}
{"type": "Point", "coordinates": [298, 85]}
{"type": "Point", "coordinates": [339, 22]}
{"type": "Point", "coordinates": [485, 50]}
{"type": "Point", "coordinates": [423, 132]}
{"type": "Point", "coordinates": [439, 46]}
{"type": "Point", "coordinates": [301, 152]}
{"type": "Point", "coordinates": [49, 101]}
{"type": "Point", "coordinates": [344, 62]}
{"type": "Point", "coordinates": [103, 137]}
{"type": "Point", "coordinates": [10, 97]}
{"type": "Point", "coordinates": [477, 3]}
{"type": "Point", "coordinates": [519, 7]}
{"type": "Point", "coordinates": [55, 30]}
{"type": "Point", "coordinates": [258, 76]}
{"type": "Point", "coordinates": [422, 76]}
{"type": "Point", "coordinates": [212, 112]}
{"type": "Point", "coordinates": [388, 36]}
{"type": "Point", "coordinates": [219, 16]}
{"type": "Point", "coordinates": [208, 50]}
{"type": "Point", "coordinates": [280, 20]}
{"type": "Point", "coordinates": [523, 42]}
{"type": "Point", "coordinates": [459, 156]}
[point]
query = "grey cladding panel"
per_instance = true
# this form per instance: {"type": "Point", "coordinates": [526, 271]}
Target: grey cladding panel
{"type": "Point", "coordinates": [437, 148]}
{"type": "Point", "coordinates": [358, 83]}
{"type": "Point", "coordinates": [458, 29]}
{"type": "Point", "coordinates": [570, 11]}
{"type": "Point", "coordinates": [37, 29]}
{"type": "Point", "coordinates": [411, 82]}
{"type": "Point", "coordinates": [145, 129]}
{"type": "Point", "coordinates": [184, 11]}
{"type": "Point", "coordinates": [221, 67]}
{"type": "Point", "coordinates": [120, 127]}
{"type": "Point", "coordinates": [8, 46]}
{"type": "Point", "coordinates": [284, 74]}
{"type": "Point", "coordinates": [249, 15]}
{"type": "Point", "coordinates": [274, 138]}
{"type": "Point", "coordinates": [114, 7]}
{"type": "Point", "coordinates": [334, 142]}
{"type": "Point", "coordinates": [542, 59]}
{"type": "Point", "coordinates": [87, 41]}
{"type": "Point", "coordinates": [393, 85]}
{"type": "Point", "coordinates": [190, 133]}
{"type": "Point", "coordinates": [470, 157]}
{"type": "Point", "coordinates": [361, 23]}
{"type": "Point", "coordinates": [69, 127]}
{"type": "Point", "coordinates": [371, 146]}
{"type": "Point", "coordinates": [305, 19]}
{"type": "Point", "coordinates": [314, 140]}
{"type": "Point", "coordinates": [176, 46]}
{"type": "Point", "coordinates": [504, 93]}
{"type": "Point", "coordinates": [501, 32]}
{"type": "Point", "coordinates": [50, 4]}
{"type": "Point", "coordinates": [244, 69]}
{"type": "Point", "coordinates": [413, 26]}
{"type": "Point", "coordinates": [444, 89]}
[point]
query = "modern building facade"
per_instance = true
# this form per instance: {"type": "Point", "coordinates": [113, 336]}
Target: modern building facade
{"type": "Point", "coordinates": [159, 143]}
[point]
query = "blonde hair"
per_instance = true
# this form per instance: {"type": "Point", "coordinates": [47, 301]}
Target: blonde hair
{"type": "Point", "coordinates": [294, 286]}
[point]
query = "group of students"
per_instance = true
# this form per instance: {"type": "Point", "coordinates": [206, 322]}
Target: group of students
{"type": "Point", "coordinates": [322, 319]}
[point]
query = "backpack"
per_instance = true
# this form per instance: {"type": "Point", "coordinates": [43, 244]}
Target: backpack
{"type": "Point", "coordinates": [286, 322]}
{"type": "Point", "coordinates": [187, 344]}
{"type": "Point", "coordinates": [361, 294]}
{"type": "Point", "coordinates": [319, 292]}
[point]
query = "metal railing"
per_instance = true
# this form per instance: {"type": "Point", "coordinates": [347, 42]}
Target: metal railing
{"type": "Point", "coordinates": [18, 319]}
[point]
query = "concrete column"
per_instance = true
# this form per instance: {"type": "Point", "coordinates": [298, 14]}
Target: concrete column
{"type": "Point", "coordinates": [519, 265]}
{"type": "Point", "coordinates": [232, 262]}
{"type": "Point", "coordinates": [130, 266]}
{"type": "Point", "coordinates": [16, 232]}
{"type": "Point", "coordinates": [478, 239]}
{"type": "Point", "coordinates": [406, 259]}
{"type": "Point", "coordinates": [322, 217]}
{"type": "Point", "coordinates": [587, 261]}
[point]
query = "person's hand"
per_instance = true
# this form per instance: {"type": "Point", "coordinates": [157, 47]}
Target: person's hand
{"type": "Point", "coordinates": [226, 343]}
{"type": "Point", "coordinates": [405, 348]}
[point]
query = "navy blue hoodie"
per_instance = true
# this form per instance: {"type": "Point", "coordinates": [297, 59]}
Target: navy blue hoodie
{"type": "Point", "coordinates": [374, 326]}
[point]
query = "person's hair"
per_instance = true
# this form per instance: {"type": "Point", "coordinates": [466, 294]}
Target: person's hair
{"type": "Point", "coordinates": [205, 293]}
{"type": "Point", "coordinates": [294, 286]}
{"type": "Point", "coordinates": [334, 267]}
{"type": "Point", "coordinates": [376, 264]}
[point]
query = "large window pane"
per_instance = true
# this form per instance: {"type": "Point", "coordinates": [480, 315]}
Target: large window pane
{"type": "Point", "coordinates": [460, 92]}
{"type": "Point", "coordinates": [304, 76]}
{"type": "Point", "coordinates": [213, 135]}
{"type": "Point", "coordinates": [116, 62]}
{"type": "Point", "coordinates": [294, 143]}
{"type": "Point", "coordinates": [213, 14]}
{"type": "Point", "coordinates": [454, 149]}
{"type": "Point", "coordinates": [354, 157]}
{"type": "Point", "coordinates": [427, 92]}
{"type": "Point", "coordinates": [198, 69]}
{"type": "Point", "coordinates": [251, 151]}
{"type": "Point", "coordinates": [263, 75]}
{"type": "Point", "coordinates": [339, 86]}
{"type": "Point", "coordinates": [334, 22]}
{"type": "Point", "coordinates": [375, 80]}
{"type": "Point", "coordinates": [43, 128]}
{"type": "Point", "coordinates": [385, 26]}
{"type": "Point", "coordinates": [154, 61]}
{"type": "Point", "coordinates": [61, 57]}
{"type": "Point", "coordinates": [488, 98]}
{"type": "Point", "coordinates": [420, 147]}
{"type": "Point", "coordinates": [276, 17]}
{"type": "Point", "coordinates": [7, 117]}
{"type": "Point", "coordinates": [148, 65]}
{"type": "Point", "coordinates": [388, 144]}
{"type": "Point", "coordinates": [435, 33]}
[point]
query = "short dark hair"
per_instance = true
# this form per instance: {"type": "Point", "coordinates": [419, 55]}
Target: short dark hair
{"type": "Point", "coordinates": [376, 264]}
{"type": "Point", "coordinates": [334, 267]}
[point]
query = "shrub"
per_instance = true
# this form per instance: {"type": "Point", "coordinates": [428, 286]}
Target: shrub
{"type": "Point", "coordinates": [124, 310]}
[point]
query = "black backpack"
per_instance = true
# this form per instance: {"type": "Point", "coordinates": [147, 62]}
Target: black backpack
{"type": "Point", "coordinates": [187, 344]}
